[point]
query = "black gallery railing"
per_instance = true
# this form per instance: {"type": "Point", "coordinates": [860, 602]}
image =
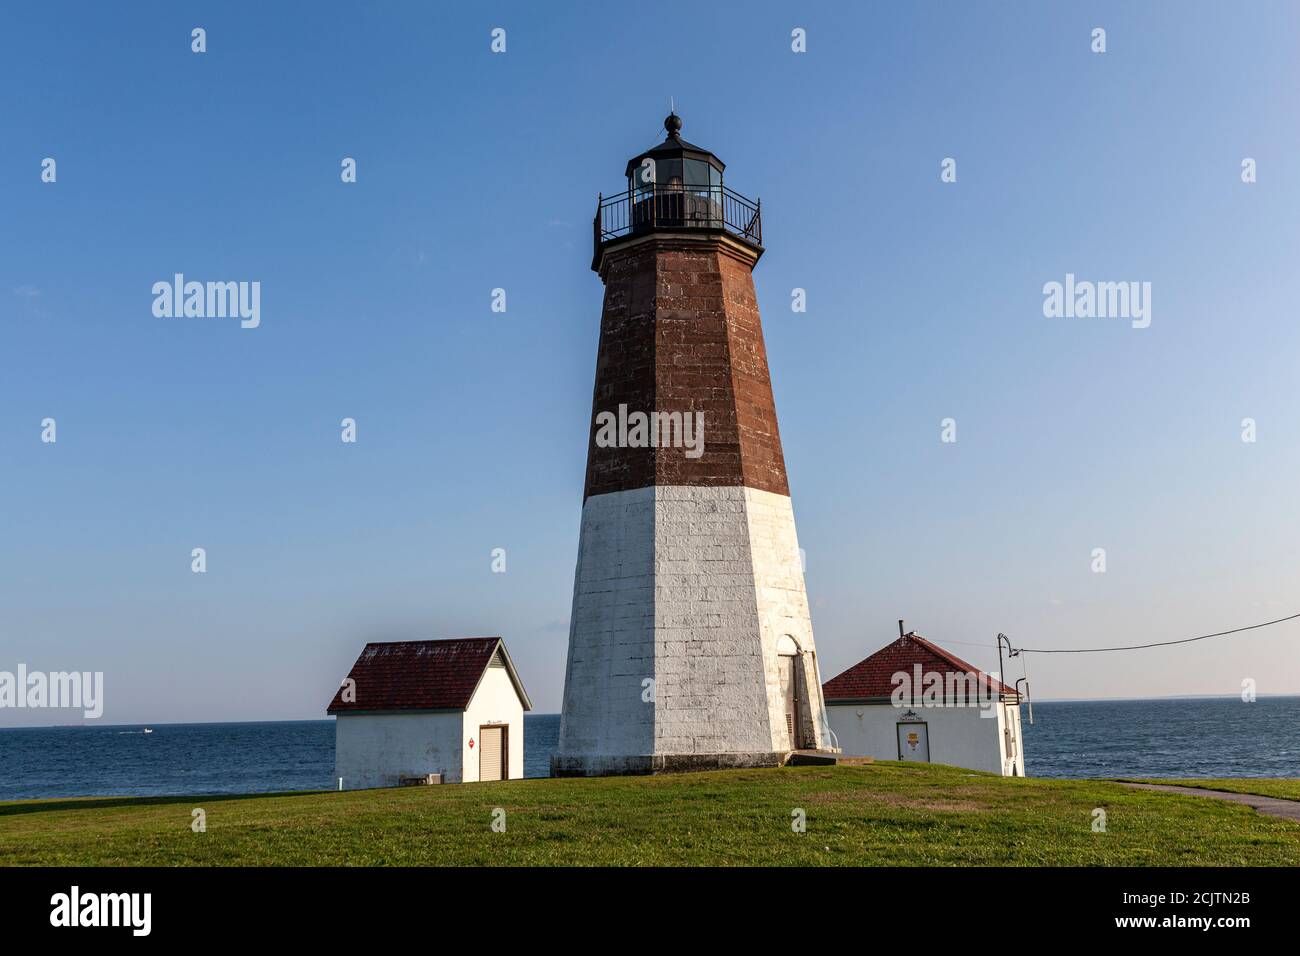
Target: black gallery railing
{"type": "Point", "coordinates": [674, 206]}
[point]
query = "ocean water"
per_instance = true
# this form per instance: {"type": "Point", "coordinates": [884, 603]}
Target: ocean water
{"type": "Point", "coordinates": [1179, 737]}
{"type": "Point", "coordinates": [1202, 737]}
{"type": "Point", "coordinates": [179, 759]}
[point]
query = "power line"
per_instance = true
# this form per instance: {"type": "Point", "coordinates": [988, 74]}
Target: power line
{"type": "Point", "coordinates": [1138, 647]}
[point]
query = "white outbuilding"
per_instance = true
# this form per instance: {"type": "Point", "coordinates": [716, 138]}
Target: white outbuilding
{"type": "Point", "coordinates": [447, 711]}
{"type": "Point", "coordinates": [912, 700]}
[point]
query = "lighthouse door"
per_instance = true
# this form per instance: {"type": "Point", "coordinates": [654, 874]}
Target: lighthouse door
{"type": "Point", "coordinates": [790, 694]}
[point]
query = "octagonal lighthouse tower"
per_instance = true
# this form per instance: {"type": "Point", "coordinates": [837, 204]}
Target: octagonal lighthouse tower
{"type": "Point", "coordinates": [690, 643]}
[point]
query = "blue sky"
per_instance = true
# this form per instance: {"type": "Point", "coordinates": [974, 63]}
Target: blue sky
{"type": "Point", "coordinates": [479, 170]}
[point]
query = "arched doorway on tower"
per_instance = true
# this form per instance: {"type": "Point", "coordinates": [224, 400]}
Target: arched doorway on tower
{"type": "Point", "coordinates": [792, 681]}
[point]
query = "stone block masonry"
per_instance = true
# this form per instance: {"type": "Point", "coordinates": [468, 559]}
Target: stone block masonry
{"type": "Point", "coordinates": [690, 642]}
{"type": "Point", "coordinates": [691, 588]}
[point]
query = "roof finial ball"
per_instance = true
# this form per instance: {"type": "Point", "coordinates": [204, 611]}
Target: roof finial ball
{"type": "Point", "coordinates": [673, 123]}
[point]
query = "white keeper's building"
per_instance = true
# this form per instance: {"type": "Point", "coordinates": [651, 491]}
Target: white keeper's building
{"type": "Point", "coordinates": [447, 711]}
{"type": "Point", "coordinates": [914, 701]}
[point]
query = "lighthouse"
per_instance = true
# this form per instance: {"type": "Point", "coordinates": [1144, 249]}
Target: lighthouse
{"type": "Point", "coordinates": [690, 641]}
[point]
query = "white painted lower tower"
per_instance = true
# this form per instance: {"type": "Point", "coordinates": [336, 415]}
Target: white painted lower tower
{"type": "Point", "coordinates": [690, 621]}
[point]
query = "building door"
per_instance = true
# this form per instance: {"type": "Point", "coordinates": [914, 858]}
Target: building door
{"type": "Point", "coordinates": [914, 742]}
{"type": "Point", "coordinates": [790, 694]}
{"type": "Point", "coordinates": [492, 753]}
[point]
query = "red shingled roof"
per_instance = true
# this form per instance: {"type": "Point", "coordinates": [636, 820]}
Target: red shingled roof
{"type": "Point", "coordinates": [873, 677]}
{"type": "Point", "coordinates": [422, 675]}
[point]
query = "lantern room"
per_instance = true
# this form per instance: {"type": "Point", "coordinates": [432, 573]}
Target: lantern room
{"type": "Point", "coordinates": [674, 186]}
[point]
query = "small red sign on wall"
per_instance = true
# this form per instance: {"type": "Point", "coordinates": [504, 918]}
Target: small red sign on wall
{"type": "Point", "coordinates": [471, 743]}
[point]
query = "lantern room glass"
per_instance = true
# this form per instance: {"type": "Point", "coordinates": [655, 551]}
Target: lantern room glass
{"type": "Point", "coordinates": [677, 192]}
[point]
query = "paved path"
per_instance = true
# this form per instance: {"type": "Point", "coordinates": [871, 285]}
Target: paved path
{"type": "Point", "coordinates": [1274, 807]}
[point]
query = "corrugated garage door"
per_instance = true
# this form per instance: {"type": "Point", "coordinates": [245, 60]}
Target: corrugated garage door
{"type": "Point", "coordinates": [490, 756]}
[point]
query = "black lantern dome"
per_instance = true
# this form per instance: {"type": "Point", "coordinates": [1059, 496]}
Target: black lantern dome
{"type": "Point", "coordinates": [675, 161]}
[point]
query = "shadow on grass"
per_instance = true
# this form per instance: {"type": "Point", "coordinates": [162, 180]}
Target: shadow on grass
{"type": "Point", "coordinates": [108, 803]}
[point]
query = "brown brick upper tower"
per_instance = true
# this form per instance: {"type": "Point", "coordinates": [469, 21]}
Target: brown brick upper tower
{"type": "Point", "coordinates": [690, 644]}
{"type": "Point", "coordinates": [680, 332]}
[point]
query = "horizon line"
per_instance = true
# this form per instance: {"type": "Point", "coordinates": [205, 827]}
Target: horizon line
{"type": "Point", "coordinates": [309, 720]}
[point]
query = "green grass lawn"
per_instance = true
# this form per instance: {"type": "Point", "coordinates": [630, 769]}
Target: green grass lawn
{"type": "Point", "coordinates": [1285, 789]}
{"type": "Point", "coordinates": [887, 813]}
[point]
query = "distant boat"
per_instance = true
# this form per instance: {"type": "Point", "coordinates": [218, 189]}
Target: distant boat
{"type": "Point", "coordinates": [148, 731]}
